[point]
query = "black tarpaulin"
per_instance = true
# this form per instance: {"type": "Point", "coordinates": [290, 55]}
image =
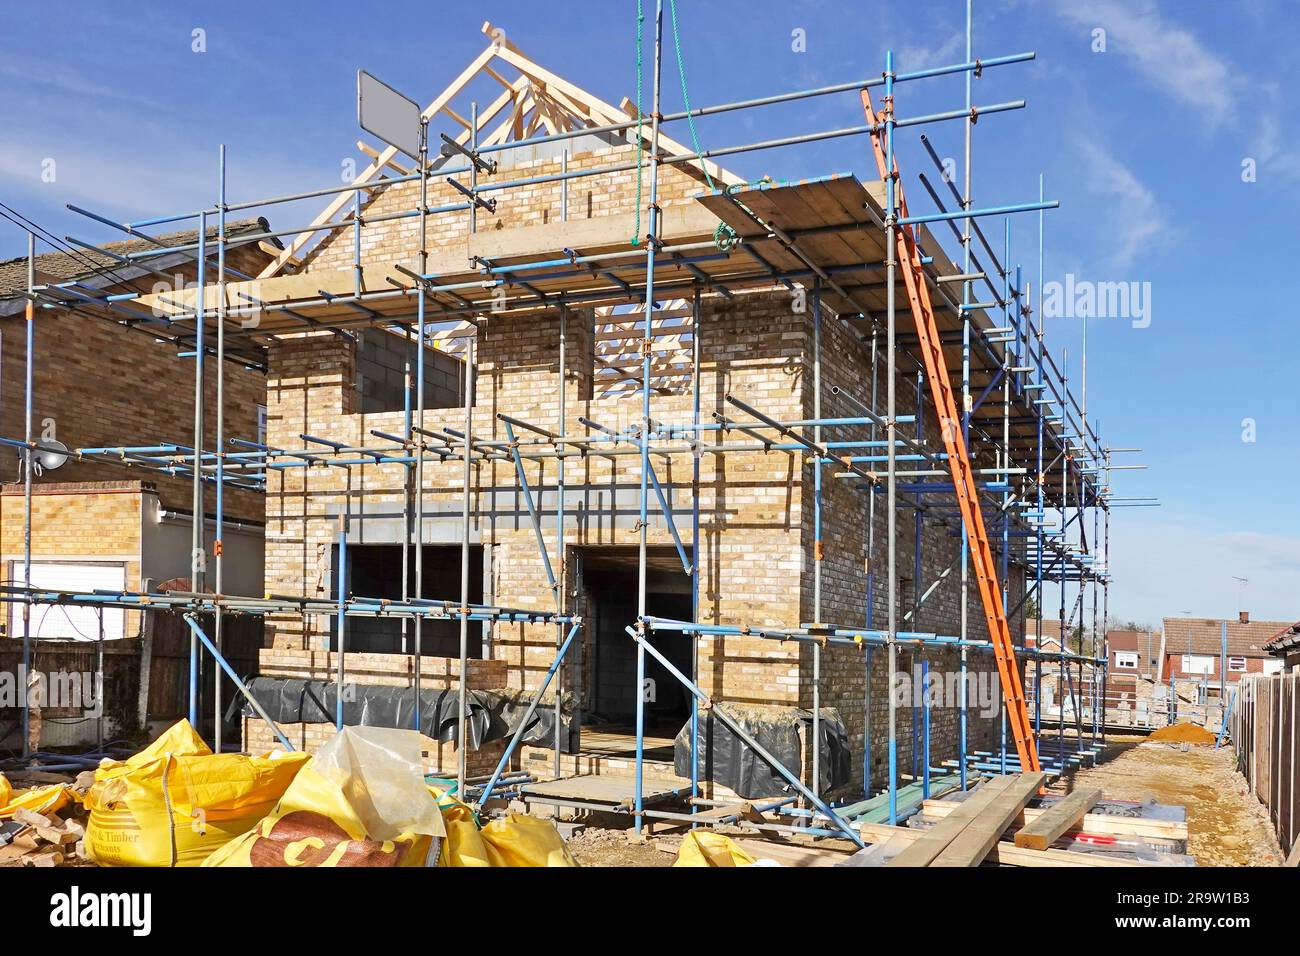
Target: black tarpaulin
{"type": "Point", "coordinates": [727, 760]}
{"type": "Point", "coordinates": [490, 715]}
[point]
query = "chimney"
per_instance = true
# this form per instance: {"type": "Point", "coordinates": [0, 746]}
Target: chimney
{"type": "Point", "coordinates": [1243, 617]}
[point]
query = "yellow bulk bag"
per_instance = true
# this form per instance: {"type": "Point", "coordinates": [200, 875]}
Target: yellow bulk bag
{"type": "Point", "coordinates": [519, 840]}
{"type": "Point", "coordinates": [175, 802]}
{"type": "Point", "coordinates": [360, 801]}
{"type": "Point", "coordinates": [706, 848]}
{"type": "Point", "coordinates": [179, 738]}
{"type": "Point", "coordinates": [50, 799]}
{"type": "Point", "coordinates": [463, 845]}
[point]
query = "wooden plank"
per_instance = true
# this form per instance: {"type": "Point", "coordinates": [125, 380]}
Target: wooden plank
{"type": "Point", "coordinates": [1042, 831]}
{"type": "Point", "coordinates": [975, 841]}
{"type": "Point", "coordinates": [790, 855]}
{"type": "Point", "coordinates": [604, 112]}
{"type": "Point", "coordinates": [933, 841]}
{"type": "Point", "coordinates": [1092, 822]}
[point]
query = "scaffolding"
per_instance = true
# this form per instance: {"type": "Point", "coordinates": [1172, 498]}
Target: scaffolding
{"type": "Point", "coordinates": [1033, 462]}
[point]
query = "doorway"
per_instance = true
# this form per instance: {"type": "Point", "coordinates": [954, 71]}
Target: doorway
{"type": "Point", "coordinates": [609, 585]}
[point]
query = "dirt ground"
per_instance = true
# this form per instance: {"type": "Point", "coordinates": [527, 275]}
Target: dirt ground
{"type": "Point", "coordinates": [593, 846]}
{"type": "Point", "coordinates": [1226, 825]}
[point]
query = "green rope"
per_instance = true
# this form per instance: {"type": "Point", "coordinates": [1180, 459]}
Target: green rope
{"type": "Point", "coordinates": [640, 21]}
{"type": "Point", "coordinates": [686, 96]}
{"type": "Point", "coordinates": [724, 237]}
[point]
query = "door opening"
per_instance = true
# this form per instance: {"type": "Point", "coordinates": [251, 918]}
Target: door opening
{"type": "Point", "coordinates": [609, 582]}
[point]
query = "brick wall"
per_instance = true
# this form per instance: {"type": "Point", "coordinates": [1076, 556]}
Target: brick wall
{"type": "Point", "coordinates": [849, 547]}
{"type": "Point", "coordinates": [589, 197]}
{"type": "Point", "coordinates": [99, 384]}
{"type": "Point", "coordinates": [62, 516]}
{"type": "Point", "coordinates": [1174, 668]}
{"type": "Point", "coordinates": [438, 757]}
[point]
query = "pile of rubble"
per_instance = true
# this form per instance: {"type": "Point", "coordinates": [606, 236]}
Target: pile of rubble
{"type": "Point", "coordinates": [46, 838]}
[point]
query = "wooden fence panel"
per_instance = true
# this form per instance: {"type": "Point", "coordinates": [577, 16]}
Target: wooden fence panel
{"type": "Point", "coordinates": [1263, 729]}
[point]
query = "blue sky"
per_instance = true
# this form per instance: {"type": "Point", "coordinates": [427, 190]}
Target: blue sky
{"type": "Point", "coordinates": [1143, 144]}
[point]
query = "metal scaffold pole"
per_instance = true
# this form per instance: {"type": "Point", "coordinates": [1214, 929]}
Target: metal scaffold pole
{"type": "Point", "coordinates": [29, 366]}
{"type": "Point", "coordinates": [198, 557]}
{"type": "Point", "coordinates": [218, 545]}
{"type": "Point", "coordinates": [963, 703]}
{"type": "Point", "coordinates": [467, 474]}
{"type": "Point", "coordinates": [417, 520]}
{"type": "Point", "coordinates": [560, 554]}
{"type": "Point", "coordinates": [891, 428]}
{"type": "Point", "coordinates": [695, 541]}
{"type": "Point", "coordinates": [651, 240]}
{"type": "Point", "coordinates": [819, 548]}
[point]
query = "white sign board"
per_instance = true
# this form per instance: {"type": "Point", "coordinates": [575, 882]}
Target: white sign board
{"type": "Point", "coordinates": [386, 113]}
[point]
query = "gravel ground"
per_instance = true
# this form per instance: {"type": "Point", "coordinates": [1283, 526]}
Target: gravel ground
{"type": "Point", "coordinates": [1226, 825]}
{"type": "Point", "coordinates": [593, 846]}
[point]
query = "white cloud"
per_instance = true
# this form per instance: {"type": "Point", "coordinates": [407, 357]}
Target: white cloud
{"type": "Point", "coordinates": [1175, 61]}
{"type": "Point", "coordinates": [1170, 57]}
{"type": "Point", "coordinates": [923, 57]}
{"type": "Point", "coordinates": [1166, 566]}
{"type": "Point", "coordinates": [1133, 213]}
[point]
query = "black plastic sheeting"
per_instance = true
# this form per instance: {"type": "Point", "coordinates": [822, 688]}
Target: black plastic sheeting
{"type": "Point", "coordinates": [727, 760]}
{"type": "Point", "coordinates": [492, 715]}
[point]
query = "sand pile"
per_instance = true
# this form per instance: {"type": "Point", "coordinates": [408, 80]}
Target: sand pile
{"type": "Point", "coordinates": [1184, 734]}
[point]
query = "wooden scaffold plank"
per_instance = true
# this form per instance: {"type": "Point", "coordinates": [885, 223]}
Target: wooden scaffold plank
{"type": "Point", "coordinates": [1044, 830]}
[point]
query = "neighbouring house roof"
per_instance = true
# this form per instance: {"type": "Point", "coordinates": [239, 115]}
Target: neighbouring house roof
{"type": "Point", "coordinates": [1287, 640]}
{"type": "Point", "coordinates": [86, 263]}
{"type": "Point", "coordinates": [1244, 640]}
{"type": "Point", "coordinates": [1128, 639]}
{"type": "Point", "coordinates": [1051, 639]}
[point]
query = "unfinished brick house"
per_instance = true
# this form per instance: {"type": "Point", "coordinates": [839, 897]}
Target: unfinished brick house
{"type": "Point", "coordinates": [518, 469]}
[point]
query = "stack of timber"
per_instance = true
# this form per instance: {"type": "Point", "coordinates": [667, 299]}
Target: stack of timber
{"type": "Point", "coordinates": [1086, 826]}
{"type": "Point", "coordinates": [1003, 821]}
{"type": "Point", "coordinates": [40, 839]}
{"type": "Point", "coordinates": [968, 834]}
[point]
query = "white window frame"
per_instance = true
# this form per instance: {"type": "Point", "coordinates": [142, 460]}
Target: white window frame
{"type": "Point", "coordinates": [1198, 663]}
{"type": "Point", "coordinates": [1126, 660]}
{"type": "Point", "coordinates": [1237, 665]}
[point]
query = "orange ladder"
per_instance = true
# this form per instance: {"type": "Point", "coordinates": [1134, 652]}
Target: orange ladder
{"type": "Point", "coordinates": [963, 478]}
